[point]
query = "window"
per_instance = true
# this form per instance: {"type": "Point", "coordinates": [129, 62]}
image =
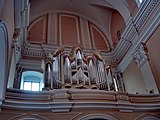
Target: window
{"type": "Point", "coordinates": [32, 86]}
{"type": "Point", "coordinates": [32, 81]}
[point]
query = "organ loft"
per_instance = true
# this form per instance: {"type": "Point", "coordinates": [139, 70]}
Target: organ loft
{"type": "Point", "coordinates": [79, 60]}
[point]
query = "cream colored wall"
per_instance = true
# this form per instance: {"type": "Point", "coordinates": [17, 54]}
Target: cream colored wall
{"type": "Point", "coordinates": [7, 15]}
{"type": "Point", "coordinates": [153, 46]}
{"type": "Point", "coordinates": [149, 78]}
{"type": "Point", "coordinates": [133, 79]}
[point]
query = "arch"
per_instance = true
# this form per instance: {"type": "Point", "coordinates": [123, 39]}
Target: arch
{"type": "Point", "coordinates": [28, 116]}
{"type": "Point", "coordinates": [3, 60]}
{"type": "Point", "coordinates": [121, 7]}
{"type": "Point", "coordinates": [148, 117]}
{"type": "Point", "coordinates": [98, 117]}
{"type": "Point", "coordinates": [38, 15]}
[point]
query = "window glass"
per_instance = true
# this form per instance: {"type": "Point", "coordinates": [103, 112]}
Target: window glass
{"type": "Point", "coordinates": [32, 86]}
{"type": "Point", "coordinates": [27, 85]}
{"type": "Point", "coordinates": [35, 86]}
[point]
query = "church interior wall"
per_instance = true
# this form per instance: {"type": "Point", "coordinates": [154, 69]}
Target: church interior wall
{"type": "Point", "coordinates": [133, 79]}
{"type": "Point", "coordinates": [76, 115]}
{"type": "Point", "coordinates": [50, 30]}
{"type": "Point", "coordinates": [153, 52]}
{"type": "Point", "coordinates": [7, 15]}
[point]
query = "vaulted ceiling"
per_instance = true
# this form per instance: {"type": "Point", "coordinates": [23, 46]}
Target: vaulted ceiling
{"type": "Point", "coordinates": [96, 25]}
{"type": "Point", "coordinates": [110, 16]}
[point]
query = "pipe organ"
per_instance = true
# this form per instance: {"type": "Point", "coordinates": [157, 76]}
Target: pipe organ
{"type": "Point", "coordinates": [75, 70]}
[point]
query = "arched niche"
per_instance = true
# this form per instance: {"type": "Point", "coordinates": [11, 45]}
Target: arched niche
{"type": "Point", "coordinates": [3, 60]}
{"type": "Point", "coordinates": [28, 116]}
{"type": "Point", "coordinates": [98, 117]}
{"type": "Point", "coordinates": [148, 117]}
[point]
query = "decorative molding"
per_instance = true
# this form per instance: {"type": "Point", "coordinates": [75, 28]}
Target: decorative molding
{"type": "Point", "coordinates": [98, 116]}
{"type": "Point", "coordinates": [141, 55]}
{"type": "Point", "coordinates": [44, 30]}
{"type": "Point", "coordinates": [92, 35]}
{"type": "Point", "coordinates": [148, 116]}
{"type": "Point", "coordinates": [82, 30]}
{"type": "Point", "coordinates": [89, 38]}
{"type": "Point", "coordinates": [121, 56]}
{"type": "Point", "coordinates": [3, 60]}
{"type": "Point", "coordinates": [60, 27]}
{"type": "Point", "coordinates": [30, 64]}
{"type": "Point", "coordinates": [52, 16]}
{"type": "Point", "coordinates": [144, 13]}
{"type": "Point", "coordinates": [30, 116]}
{"type": "Point", "coordinates": [62, 100]}
{"type": "Point", "coordinates": [146, 31]}
{"type": "Point", "coordinates": [74, 14]}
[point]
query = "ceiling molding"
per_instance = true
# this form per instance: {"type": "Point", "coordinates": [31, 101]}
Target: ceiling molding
{"type": "Point", "coordinates": [146, 30]}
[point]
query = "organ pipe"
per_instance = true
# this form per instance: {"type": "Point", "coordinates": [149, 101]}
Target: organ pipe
{"type": "Point", "coordinates": [79, 71]}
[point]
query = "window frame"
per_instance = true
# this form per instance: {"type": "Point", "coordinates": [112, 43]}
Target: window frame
{"type": "Point", "coordinates": [32, 77]}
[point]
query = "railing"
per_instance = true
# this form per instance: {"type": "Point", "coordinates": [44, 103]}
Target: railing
{"type": "Point", "coordinates": [67, 99]}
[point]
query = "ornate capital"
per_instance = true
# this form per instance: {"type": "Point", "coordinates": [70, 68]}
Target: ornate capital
{"type": "Point", "coordinates": [141, 55]}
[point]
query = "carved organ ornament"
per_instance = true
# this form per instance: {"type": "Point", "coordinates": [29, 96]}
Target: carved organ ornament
{"type": "Point", "coordinates": [75, 70]}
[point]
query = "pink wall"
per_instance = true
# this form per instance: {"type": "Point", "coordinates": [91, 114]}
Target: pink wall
{"type": "Point", "coordinates": [153, 46]}
{"type": "Point", "coordinates": [99, 40]}
{"type": "Point", "coordinates": [37, 33]}
{"type": "Point", "coordinates": [67, 30]}
{"type": "Point", "coordinates": [69, 33]}
{"type": "Point", "coordinates": [117, 24]}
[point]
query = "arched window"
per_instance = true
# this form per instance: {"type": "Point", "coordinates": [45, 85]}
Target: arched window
{"type": "Point", "coordinates": [32, 81]}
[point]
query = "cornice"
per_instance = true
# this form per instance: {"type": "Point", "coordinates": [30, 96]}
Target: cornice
{"type": "Point", "coordinates": [30, 64]}
{"type": "Point", "coordinates": [144, 30]}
